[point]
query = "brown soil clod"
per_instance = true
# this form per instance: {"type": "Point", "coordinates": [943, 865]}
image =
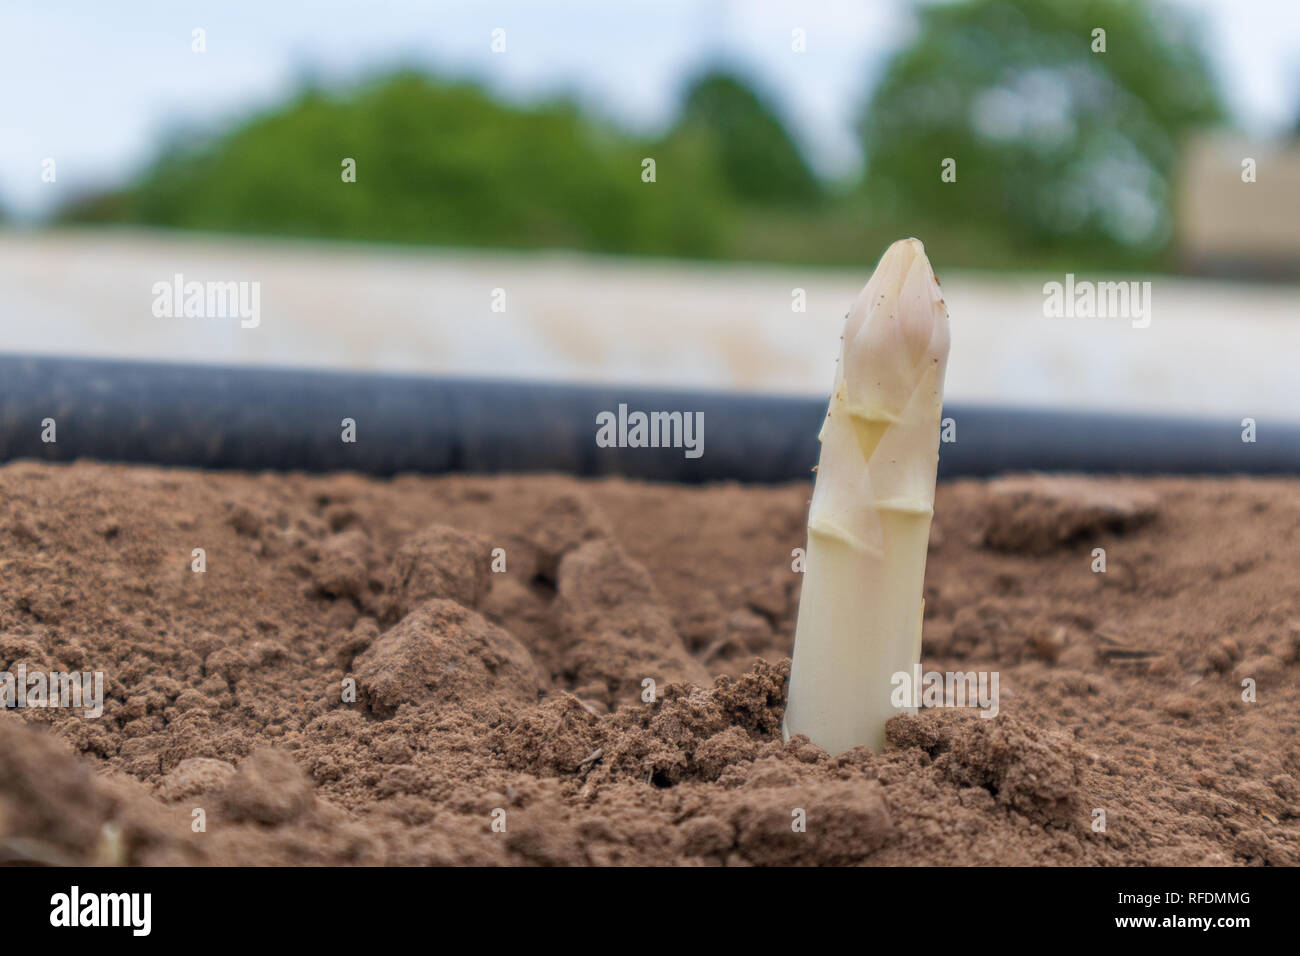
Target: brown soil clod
{"type": "Point", "coordinates": [444, 654]}
{"type": "Point", "coordinates": [1036, 514]}
{"type": "Point", "coordinates": [438, 562]}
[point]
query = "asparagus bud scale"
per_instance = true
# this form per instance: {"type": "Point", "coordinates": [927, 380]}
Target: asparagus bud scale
{"type": "Point", "coordinates": [860, 611]}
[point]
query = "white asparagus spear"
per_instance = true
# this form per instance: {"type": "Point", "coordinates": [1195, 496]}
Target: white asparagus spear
{"type": "Point", "coordinates": [869, 522]}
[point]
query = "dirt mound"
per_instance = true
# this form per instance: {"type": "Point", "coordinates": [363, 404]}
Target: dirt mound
{"type": "Point", "coordinates": [444, 655]}
{"type": "Point", "coordinates": [1036, 772]}
{"type": "Point", "coordinates": [1040, 513]}
{"type": "Point", "coordinates": [438, 562]}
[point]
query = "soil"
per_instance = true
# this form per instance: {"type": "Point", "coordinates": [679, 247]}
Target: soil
{"type": "Point", "coordinates": [505, 716]}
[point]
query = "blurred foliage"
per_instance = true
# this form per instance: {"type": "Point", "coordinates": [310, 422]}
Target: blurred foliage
{"type": "Point", "coordinates": [759, 159]}
{"type": "Point", "coordinates": [1064, 156]}
{"type": "Point", "coordinates": [1057, 147]}
{"type": "Point", "coordinates": [440, 163]}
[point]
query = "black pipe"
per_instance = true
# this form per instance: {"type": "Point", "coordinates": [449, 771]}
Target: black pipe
{"type": "Point", "coordinates": [251, 419]}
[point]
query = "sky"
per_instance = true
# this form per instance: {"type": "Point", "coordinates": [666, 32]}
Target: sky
{"type": "Point", "coordinates": [95, 85]}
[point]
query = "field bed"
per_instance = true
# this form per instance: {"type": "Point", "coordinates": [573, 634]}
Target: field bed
{"type": "Point", "coordinates": [518, 694]}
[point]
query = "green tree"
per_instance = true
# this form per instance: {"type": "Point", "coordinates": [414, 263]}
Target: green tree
{"type": "Point", "coordinates": [1056, 146]}
{"type": "Point", "coordinates": [759, 158]}
{"type": "Point", "coordinates": [435, 162]}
